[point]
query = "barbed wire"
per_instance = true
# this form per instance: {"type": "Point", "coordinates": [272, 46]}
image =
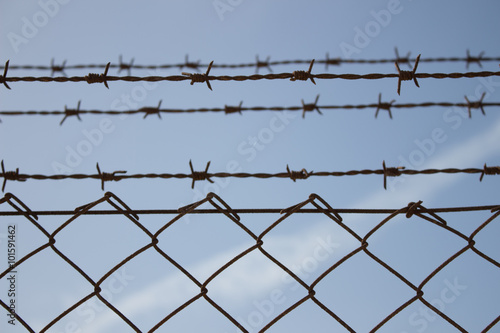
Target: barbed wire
{"type": "Point", "coordinates": [413, 209]}
{"type": "Point", "coordinates": [205, 175]}
{"type": "Point", "coordinates": [258, 64]}
{"type": "Point", "coordinates": [298, 75]}
{"type": "Point", "coordinates": [227, 109]}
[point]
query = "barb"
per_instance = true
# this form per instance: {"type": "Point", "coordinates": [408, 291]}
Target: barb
{"type": "Point", "coordinates": [107, 177]}
{"type": "Point", "coordinates": [148, 110]}
{"type": "Point", "coordinates": [303, 75]}
{"type": "Point", "coordinates": [71, 112]}
{"type": "Point", "coordinates": [389, 106]}
{"type": "Point", "coordinates": [468, 59]}
{"type": "Point", "coordinates": [124, 66]}
{"type": "Point", "coordinates": [233, 109]}
{"type": "Point", "coordinates": [384, 106]}
{"type": "Point", "coordinates": [407, 75]}
{"type": "Point", "coordinates": [198, 77]}
{"type": "Point", "coordinates": [98, 78]}
{"type": "Point", "coordinates": [302, 174]}
{"type": "Point", "coordinates": [199, 175]}
{"type": "Point", "coordinates": [55, 68]}
{"type": "Point", "coordinates": [3, 78]}
{"type": "Point", "coordinates": [260, 64]}
{"type": "Point", "coordinates": [475, 105]}
{"type": "Point", "coordinates": [310, 107]}
{"type": "Point", "coordinates": [10, 175]}
{"type": "Point", "coordinates": [205, 175]}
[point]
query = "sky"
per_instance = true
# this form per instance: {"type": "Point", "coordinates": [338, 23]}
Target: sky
{"type": "Point", "coordinates": [253, 290]}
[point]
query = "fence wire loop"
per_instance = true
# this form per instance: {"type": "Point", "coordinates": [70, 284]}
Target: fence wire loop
{"type": "Point", "coordinates": [71, 112]}
{"type": "Point", "coordinates": [407, 75]}
{"type": "Point", "coordinates": [384, 106]}
{"type": "Point", "coordinates": [303, 75]}
{"type": "Point", "coordinates": [199, 175]}
{"type": "Point", "coordinates": [331, 61]}
{"type": "Point", "coordinates": [260, 64]}
{"type": "Point", "coordinates": [200, 77]}
{"type": "Point", "coordinates": [469, 59]}
{"type": "Point", "coordinates": [412, 208]}
{"type": "Point", "coordinates": [3, 78]}
{"type": "Point", "coordinates": [54, 68]}
{"type": "Point", "coordinates": [391, 172]}
{"type": "Point", "coordinates": [233, 109]}
{"type": "Point", "coordinates": [302, 174]}
{"type": "Point", "coordinates": [124, 66]}
{"type": "Point", "coordinates": [9, 197]}
{"type": "Point", "coordinates": [310, 107]}
{"type": "Point", "coordinates": [494, 170]}
{"type": "Point", "coordinates": [99, 78]}
{"type": "Point", "coordinates": [10, 175]}
{"type": "Point", "coordinates": [475, 105]}
{"type": "Point", "coordinates": [108, 177]}
{"type": "Point", "coordinates": [150, 110]}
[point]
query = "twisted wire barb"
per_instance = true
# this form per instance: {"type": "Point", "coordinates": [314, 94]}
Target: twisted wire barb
{"type": "Point", "coordinates": [415, 210]}
{"type": "Point", "coordinates": [302, 174]}
{"type": "Point", "coordinates": [468, 59]}
{"type": "Point", "coordinates": [228, 109]}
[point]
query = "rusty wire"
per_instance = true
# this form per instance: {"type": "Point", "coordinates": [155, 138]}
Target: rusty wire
{"type": "Point", "coordinates": [128, 66]}
{"type": "Point", "coordinates": [228, 109]}
{"type": "Point", "coordinates": [319, 205]}
{"type": "Point", "coordinates": [206, 175]}
{"type": "Point", "coordinates": [298, 75]}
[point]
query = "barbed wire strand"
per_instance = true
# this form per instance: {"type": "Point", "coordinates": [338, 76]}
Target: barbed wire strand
{"type": "Point", "coordinates": [413, 209]}
{"type": "Point", "coordinates": [205, 175]}
{"type": "Point", "coordinates": [298, 75]}
{"type": "Point", "coordinates": [128, 66]}
{"type": "Point", "coordinates": [227, 109]}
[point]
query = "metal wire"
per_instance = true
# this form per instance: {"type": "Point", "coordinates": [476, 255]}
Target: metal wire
{"type": "Point", "coordinates": [319, 206]}
{"type": "Point", "coordinates": [468, 59]}
{"type": "Point", "coordinates": [205, 175]}
{"type": "Point", "coordinates": [305, 108]}
{"type": "Point", "coordinates": [298, 75]}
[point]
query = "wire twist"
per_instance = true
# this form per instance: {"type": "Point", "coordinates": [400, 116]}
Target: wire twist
{"type": "Point", "coordinates": [10, 175]}
{"type": "Point", "coordinates": [407, 75]}
{"type": "Point", "coordinates": [98, 78]}
{"type": "Point", "coordinates": [108, 177]}
{"type": "Point", "coordinates": [200, 77]}
{"type": "Point", "coordinates": [303, 75]}
{"type": "Point", "coordinates": [475, 105]}
{"type": "Point", "coordinates": [302, 174]}
{"type": "Point", "coordinates": [199, 175]}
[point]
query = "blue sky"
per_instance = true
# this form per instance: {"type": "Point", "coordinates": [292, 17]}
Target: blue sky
{"type": "Point", "coordinates": [158, 32]}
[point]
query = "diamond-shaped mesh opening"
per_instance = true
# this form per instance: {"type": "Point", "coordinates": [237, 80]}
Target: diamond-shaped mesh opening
{"type": "Point", "coordinates": [254, 284]}
{"type": "Point", "coordinates": [356, 288]}
{"type": "Point", "coordinates": [308, 245]}
{"type": "Point", "coordinates": [461, 291]}
{"type": "Point", "coordinates": [87, 246]}
{"type": "Point", "coordinates": [205, 244]}
{"type": "Point", "coordinates": [308, 317]}
{"type": "Point", "coordinates": [199, 316]}
{"type": "Point", "coordinates": [53, 291]}
{"type": "Point", "coordinates": [414, 247]}
{"type": "Point", "coordinates": [148, 288]}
